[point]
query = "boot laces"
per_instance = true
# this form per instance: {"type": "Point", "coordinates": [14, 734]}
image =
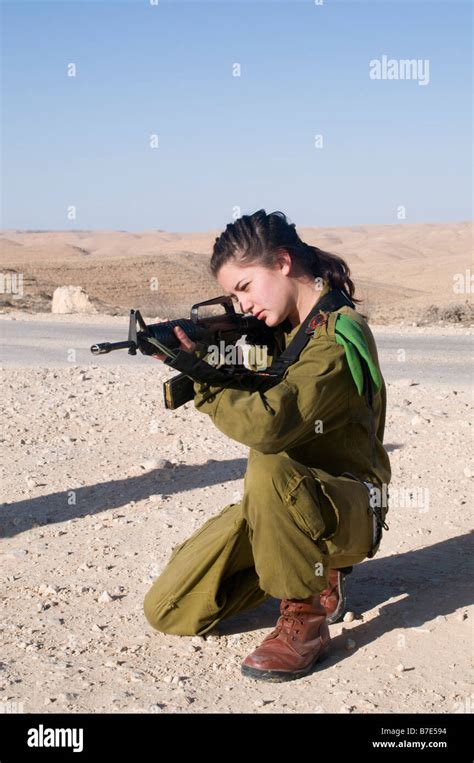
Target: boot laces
{"type": "Point", "coordinates": [288, 620]}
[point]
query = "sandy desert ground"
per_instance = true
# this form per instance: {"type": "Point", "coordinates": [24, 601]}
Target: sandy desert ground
{"type": "Point", "coordinates": [100, 482]}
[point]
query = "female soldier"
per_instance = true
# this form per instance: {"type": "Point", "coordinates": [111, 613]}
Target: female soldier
{"type": "Point", "coordinates": [316, 460]}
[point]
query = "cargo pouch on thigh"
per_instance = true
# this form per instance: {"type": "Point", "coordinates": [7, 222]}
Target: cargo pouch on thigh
{"type": "Point", "coordinates": [310, 509]}
{"type": "Point", "coordinates": [352, 540]}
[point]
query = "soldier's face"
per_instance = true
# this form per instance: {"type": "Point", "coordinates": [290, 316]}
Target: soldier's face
{"type": "Point", "coordinates": [264, 292]}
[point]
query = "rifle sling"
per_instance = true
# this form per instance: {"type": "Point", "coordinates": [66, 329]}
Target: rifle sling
{"type": "Point", "coordinates": [331, 301]}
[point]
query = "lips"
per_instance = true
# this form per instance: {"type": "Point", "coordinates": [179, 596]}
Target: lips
{"type": "Point", "coordinates": [259, 314]}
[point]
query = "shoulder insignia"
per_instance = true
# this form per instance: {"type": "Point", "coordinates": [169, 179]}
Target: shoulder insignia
{"type": "Point", "coordinates": [320, 319]}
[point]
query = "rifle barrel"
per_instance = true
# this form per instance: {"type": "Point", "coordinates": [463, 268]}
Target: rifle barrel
{"type": "Point", "coordinates": [104, 347]}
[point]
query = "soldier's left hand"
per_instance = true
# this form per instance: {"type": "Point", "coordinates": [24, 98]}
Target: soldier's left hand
{"type": "Point", "coordinates": [185, 343]}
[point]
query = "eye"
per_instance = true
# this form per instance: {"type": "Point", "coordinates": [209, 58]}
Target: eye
{"type": "Point", "coordinates": [242, 288]}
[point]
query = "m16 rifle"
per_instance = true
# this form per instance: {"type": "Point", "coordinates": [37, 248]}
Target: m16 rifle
{"type": "Point", "coordinates": [228, 327]}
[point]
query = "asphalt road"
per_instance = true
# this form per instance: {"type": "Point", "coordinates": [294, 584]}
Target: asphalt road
{"type": "Point", "coordinates": [444, 359]}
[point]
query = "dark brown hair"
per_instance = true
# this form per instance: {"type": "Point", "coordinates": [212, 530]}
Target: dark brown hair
{"type": "Point", "coordinates": [259, 238]}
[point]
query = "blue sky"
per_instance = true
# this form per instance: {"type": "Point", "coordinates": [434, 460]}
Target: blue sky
{"type": "Point", "coordinates": [230, 144]}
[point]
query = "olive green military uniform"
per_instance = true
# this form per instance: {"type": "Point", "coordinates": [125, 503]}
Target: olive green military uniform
{"type": "Point", "coordinates": [298, 516]}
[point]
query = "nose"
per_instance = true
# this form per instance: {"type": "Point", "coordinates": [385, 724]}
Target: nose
{"type": "Point", "coordinates": [245, 307]}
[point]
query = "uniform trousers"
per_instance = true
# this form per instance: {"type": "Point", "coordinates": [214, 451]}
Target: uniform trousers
{"type": "Point", "coordinates": [279, 541]}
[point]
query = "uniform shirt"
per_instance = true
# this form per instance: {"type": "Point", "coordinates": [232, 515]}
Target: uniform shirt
{"type": "Point", "coordinates": [314, 414]}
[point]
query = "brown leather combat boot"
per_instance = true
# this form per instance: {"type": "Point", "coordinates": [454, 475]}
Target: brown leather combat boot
{"type": "Point", "coordinates": [299, 639]}
{"type": "Point", "coordinates": [333, 598]}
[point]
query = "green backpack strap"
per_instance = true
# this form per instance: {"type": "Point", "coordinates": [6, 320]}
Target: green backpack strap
{"type": "Point", "coordinates": [349, 334]}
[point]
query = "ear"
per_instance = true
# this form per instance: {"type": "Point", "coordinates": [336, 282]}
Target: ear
{"type": "Point", "coordinates": [284, 262]}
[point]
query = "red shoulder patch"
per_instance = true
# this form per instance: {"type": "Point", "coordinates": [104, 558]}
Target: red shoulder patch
{"type": "Point", "coordinates": [320, 319]}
